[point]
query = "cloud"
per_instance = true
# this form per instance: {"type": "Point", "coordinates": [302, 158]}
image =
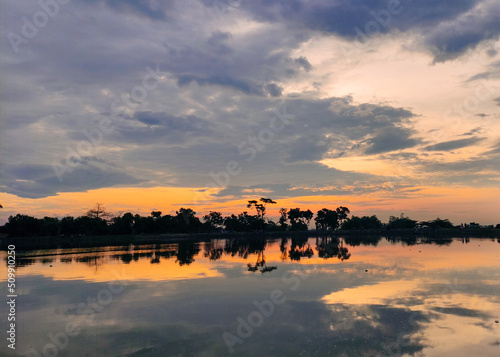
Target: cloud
{"type": "Point", "coordinates": [245, 86]}
{"type": "Point", "coordinates": [391, 139]}
{"type": "Point", "coordinates": [453, 144]}
{"type": "Point", "coordinates": [307, 149]}
{"type": "Point", "coordinates": [492, 73]}
{"type": "Point", "coordinates": [304, 63]}
{"type": "Point", "coordinates": [448, 28]}
{"type": "Point", "coordinates": [451, 39]}
{"type": "Point", "coordinates": [154, 10]}
{"type": "Point", "coordinates": [222, 81]}
{"type": "Point", "coordinates": [274, 90]}
{"type": "Point", "coordinates": [39, 180]}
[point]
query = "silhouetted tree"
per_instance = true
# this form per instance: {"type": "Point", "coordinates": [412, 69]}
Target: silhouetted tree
{"type": "Point", "coordinates": [260, 207]}
{"type": "Point", "coordinates": [214, 220]}
{"type": "Point", "coordinates": [440, 223]}
{"type": "Point", "coordinates": [364, 222]}
{"type": "Point", "coordinates": [401, 223]}
{"type": "Point", "coordinates": [156, 215]}
{"type": "Point", "coordinates": [342, 213]}
{"type": "Point", "coordinates": [299, 220]}
{"type": "Point", "coordinates": [186, 220]}
{"type": "Point", "coordinates": [67, 226]}
{"type": "Point", "coordinates": [166, 224]}
{"type": "Point", "coordinates": [144, 225]}
{"type": "Point", "coordinates": [327, 219]}
{"type": "Point", "coordinates": [23, 225]}
{"type": "Point", "coordinates": [98, 212]}
{"type": "Point", "coordinates": [49, 226]}
{"type": "Point", "coordinates": [123, 224]}
{"type": "Point", "coordinates": [265, 202]}
{"type": "Point", "coordinates": [91, 226]}
{"type": "Point", "coordinates": [283, 219]}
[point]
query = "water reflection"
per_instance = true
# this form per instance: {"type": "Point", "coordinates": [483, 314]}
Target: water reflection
{"type": "Point", "coordinates": [185, 252]}
{"type": "Point", "coordinates": [351, 296]}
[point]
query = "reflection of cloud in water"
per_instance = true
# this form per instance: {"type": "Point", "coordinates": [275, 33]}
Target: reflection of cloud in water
{"type": "Point", "coordinates": [449, 316]}
{"type": "Point", "coordinates": [376, 294]}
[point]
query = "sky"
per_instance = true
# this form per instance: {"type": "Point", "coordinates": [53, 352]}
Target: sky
{"type": "Point", "coordinates": [386, 107]}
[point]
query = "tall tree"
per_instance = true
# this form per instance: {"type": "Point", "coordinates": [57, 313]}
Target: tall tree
{"type": "Point", "coordinates": [283, 218]}
{"type": "Point", "coordinates": [327, 219]}
{"type": "Point", "coordinates": [186, 220]}
{"type": "Point", "coordinates": [260, 207]}
{"type": "Point", "coordinates": [265, 202]}
{"type": "Point", "coordinates": [214, 219]}
{"type": "Point", "coordinates": [299, 220]}
{"type": "Point", "coordinates": [342, 213]}
{"type": "Point", "coordinates": [99, 211]}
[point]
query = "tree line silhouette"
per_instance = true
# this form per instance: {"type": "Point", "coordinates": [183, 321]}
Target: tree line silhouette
{"type": "Point", "coordinates": [98, 221]}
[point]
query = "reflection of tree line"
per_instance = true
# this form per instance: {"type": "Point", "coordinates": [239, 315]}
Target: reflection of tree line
{"type": "Point", "coordinates": [185, 252]}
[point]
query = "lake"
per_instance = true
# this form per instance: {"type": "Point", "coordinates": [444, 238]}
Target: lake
{"type": "Point", "coordinates": [352, 296]}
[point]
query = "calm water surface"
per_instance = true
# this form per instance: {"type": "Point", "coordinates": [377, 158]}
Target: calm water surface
{"type": "Point", "coordinates": [258, 297]}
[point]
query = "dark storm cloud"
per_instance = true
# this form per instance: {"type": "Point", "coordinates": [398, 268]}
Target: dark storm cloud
{"type": "Point", "coordinates": [453, 144]}
{"type": "Point", "coordinates": [342, 18]}
{"type": "Point", "coordinates": [38, 180]}
{"type": "Point", "coordinates": [449, 28]}
{"type": "Point", "coordinates": [451, 39]}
